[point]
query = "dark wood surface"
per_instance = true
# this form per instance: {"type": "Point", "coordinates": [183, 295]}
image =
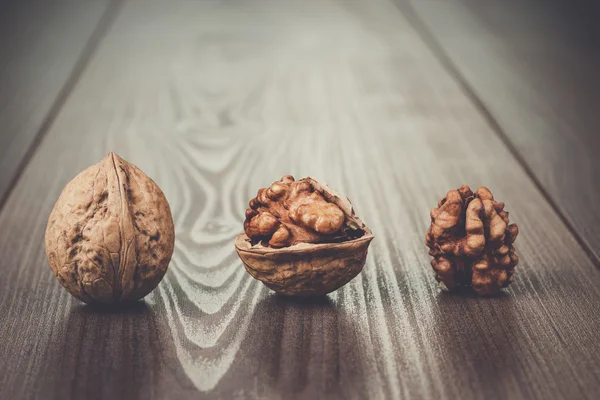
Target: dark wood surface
{"type": "Point", "coordinates": [216, 99]}
{"type": "Point", "coordinates": [41, 46]}
{"type": "Point", "coordinates": [534, 66]}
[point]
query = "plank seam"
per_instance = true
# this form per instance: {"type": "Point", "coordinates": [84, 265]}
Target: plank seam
{"type": "Point", "coordinates": [417, 23]}
{"type": "Point", "coordinates": [102, 27]}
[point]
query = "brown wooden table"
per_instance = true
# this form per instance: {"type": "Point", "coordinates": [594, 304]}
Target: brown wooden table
{"type": "Point", "coordinates": [391, 102]}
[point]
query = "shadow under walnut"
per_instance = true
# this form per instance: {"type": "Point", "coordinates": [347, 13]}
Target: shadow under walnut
{"type": "Point", "coordinates": [302, 238]}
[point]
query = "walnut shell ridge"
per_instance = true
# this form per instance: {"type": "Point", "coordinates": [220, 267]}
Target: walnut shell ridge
{"type": "Point", "coordinates": [306, 262]}
{"type": "Point", "coordinates": [472, 242]}
{"type": "Point", "coordinates": [110, 236]}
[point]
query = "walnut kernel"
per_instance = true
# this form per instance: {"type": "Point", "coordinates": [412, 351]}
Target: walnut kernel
{"type": "Point", "coordinates": [472, 242]}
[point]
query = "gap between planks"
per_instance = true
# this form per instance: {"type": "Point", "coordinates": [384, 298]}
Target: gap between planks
{"type": "Point", "coordinates": [413, 18]}
{"type": "Point", "coordinates": [99, 32]}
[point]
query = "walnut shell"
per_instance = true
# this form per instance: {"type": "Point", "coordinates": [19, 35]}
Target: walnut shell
{"type": "Point", "coordinates": [472, 242]}
{"type": "Point", "coordinates": [110, 236]}
{"type": "Point", "coordinates": [323, 244]}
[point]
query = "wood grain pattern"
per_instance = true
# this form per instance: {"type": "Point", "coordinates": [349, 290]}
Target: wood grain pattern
{"type": "Point", "coordinates": [535, 66]}
{"type": "Point", "coordinates": [216, 99]}
{"type": "Point", "coordinates": [40, 43]}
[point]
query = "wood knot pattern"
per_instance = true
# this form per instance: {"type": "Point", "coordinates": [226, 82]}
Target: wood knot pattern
{"type": "Point", "coordinates": [110, 236]}
{"type": "Point", "coordinates": [472, 242]}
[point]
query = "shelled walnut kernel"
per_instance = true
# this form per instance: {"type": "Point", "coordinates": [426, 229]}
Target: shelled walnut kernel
{"type": "Point", "coordinates": [471, 241]}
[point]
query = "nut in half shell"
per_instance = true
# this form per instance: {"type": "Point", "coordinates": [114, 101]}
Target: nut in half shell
{"type": "Point", "coordinates": [301, 238]}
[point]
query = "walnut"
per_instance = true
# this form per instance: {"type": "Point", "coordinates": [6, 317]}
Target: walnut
{"type": "Point", "coordinates": [302, 238]}
{"type": "Point", "coordinates": [110, 236]}
{"type": "Point", "coordinates": [472, 242]}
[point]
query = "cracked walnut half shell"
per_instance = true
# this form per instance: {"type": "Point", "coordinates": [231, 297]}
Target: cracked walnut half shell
{"type": "Point", "coordinates": [471, 242]}
{"type": "Point", "coordinates": [301, 238]}
{"type": "Point", "coordinates": [110, 236]}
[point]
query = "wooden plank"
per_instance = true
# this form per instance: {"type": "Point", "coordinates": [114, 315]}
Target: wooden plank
{"type": "Point", "coordinates": [40, 44]}
{"type": "Point", "coordinates": [535, 67]}
{"type": "Point", "coordinates": [216, 99]}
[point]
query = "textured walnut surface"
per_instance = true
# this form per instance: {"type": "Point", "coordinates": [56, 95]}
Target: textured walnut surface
{"type": "Point", "coordinates": [110, 236]}
{"type": "Point", "coordinates": [302, 238]}
{"type": "Point", "coordinates": [305, 211]}
{"type": "Point", "coordinates": [305, 269]}
{"type": "Point", "coordinates": [472, 242]}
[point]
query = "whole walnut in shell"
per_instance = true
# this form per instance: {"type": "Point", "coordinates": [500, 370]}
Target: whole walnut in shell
{"type": "Point", "coordinates": [110, 236]}
{"type": "Point", "coordinates": [472, 242]}
{"type": "Point", "coordinates": [302, 238]}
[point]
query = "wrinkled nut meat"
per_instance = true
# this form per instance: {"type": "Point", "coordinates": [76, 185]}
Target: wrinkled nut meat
{"type": "Point", "coordinates": [110, 236]}
{"type": "Point", "coordinates": [302, 238]}
{"type": "Point", "coordinates": [472, 242]}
